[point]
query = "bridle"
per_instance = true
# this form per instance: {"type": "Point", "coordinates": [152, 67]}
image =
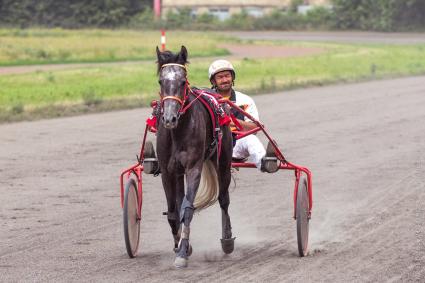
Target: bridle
{"type": "Point", "coordinates": [186, 86]}
{"type": "Point", "coordinates": [186, 91]}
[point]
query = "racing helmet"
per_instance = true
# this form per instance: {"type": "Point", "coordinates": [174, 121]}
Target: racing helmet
{"type": "Point", "coordinates": [219, 66]}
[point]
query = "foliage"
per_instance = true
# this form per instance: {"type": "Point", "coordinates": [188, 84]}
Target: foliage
{"type": "Point", "coordinates": [276, 20]}
{"type": "Point", "coordinates": [241, 21]}
{"type": "Point", "coordinates": [293, 5]}
{"type": "Point", "coordinates": [280, 21]}
{"type": "Point", "coordinates": [319, 17]}
{"type": "Point", "coordinates": [383, 15]}
{"type": "Point", "coordinates": [380, 15]}
{"type": "Point", "coordinates": [69, 13]}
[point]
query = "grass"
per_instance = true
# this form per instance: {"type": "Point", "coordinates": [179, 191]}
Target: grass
{"type": "Point", "coordinates": [105, 87]}
{"type": "Point", "coordinates": [341, 63]}
{"type": "Point", "coordinates": [47, 46]}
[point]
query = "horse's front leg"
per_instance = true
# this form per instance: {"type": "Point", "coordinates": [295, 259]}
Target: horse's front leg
{"type": "Point", "coordinates": [174, 191]}
{"type": "Point", "coordinates": [193, 177]}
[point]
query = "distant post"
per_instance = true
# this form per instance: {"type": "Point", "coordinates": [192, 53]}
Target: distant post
{"type": "Point", "coordinates": [163, 39]}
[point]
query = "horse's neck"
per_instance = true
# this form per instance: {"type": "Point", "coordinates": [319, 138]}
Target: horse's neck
{"type": "Point", "coordinates": [191, 124]}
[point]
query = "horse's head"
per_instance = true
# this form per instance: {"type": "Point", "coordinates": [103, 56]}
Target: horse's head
{"type": "Point", "coordinates": [173, 83]}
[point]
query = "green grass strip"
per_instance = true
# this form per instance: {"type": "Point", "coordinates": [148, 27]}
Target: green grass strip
{"type": "Point", "coordinates": [136, 84]}
{"type": "Point", "coordinates": [47, 46]}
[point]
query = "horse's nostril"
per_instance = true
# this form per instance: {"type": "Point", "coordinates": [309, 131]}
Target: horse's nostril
{"type": "Point", "coordinates": [174, 119]}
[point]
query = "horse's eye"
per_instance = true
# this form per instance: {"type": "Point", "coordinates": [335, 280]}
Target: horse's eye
{"type": "Point", "coordinates": [160, 82]}
{"type": "Point", "coordinates": [183, 83]}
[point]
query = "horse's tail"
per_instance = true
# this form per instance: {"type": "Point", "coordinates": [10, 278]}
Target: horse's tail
{"type": "Point", "coordinates": [208, 188]}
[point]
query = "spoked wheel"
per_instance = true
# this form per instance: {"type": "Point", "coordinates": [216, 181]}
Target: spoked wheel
{"type": "Point", "coordinates": [131, 220]}
{"type": "Point", "coordinates": [302, 211]}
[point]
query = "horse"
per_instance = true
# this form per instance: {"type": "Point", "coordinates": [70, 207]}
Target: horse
{"type": "Point", "coordinates": [185, 139]}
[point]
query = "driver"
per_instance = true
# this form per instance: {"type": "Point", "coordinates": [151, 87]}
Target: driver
{"type": "Point", "coordinates": [222, 77]}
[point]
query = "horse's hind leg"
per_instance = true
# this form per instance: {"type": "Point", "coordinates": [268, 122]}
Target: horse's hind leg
{"type": "Point", "coordinates": [224, 178]}
{"type": "Point", "coordinates": [227, 242]}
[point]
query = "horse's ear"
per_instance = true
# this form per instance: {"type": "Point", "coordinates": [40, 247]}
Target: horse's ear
{"type": "Point", "coordinates": [158, 53]}
{"type": "Point", "coordinates": [183, 54]}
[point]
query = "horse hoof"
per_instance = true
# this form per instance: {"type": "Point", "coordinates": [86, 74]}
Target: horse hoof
{"type": "Point", "coordinates": [228, 245]}
{"type": "Point", "coordinates": [180, 262]}
{"type": "Point", "coordinates": [189, 250]}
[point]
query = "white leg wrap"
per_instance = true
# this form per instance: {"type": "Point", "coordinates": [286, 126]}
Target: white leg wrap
{"type": "Point", "coordinates": [185, 232]}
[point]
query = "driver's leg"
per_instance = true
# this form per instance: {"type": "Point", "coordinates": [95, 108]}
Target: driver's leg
{"type": "Point", "coordinates": [250, 146]}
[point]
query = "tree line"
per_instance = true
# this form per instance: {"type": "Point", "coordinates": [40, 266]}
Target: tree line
{"type": "Point", "coordinates": [379, 15]}
{"type": "Point", "coordinates": [385, 15]}
{"type": "Point", "coordinates": [70, 13]}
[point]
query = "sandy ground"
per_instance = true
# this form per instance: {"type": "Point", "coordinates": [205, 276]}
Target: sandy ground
{"type": "Point", "coordinates": [61, 220]}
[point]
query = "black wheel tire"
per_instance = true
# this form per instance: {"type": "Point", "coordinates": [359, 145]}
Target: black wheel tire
{"type": "Point", "coordinates": [131, 221]}
{"type": "Point", "coordinates": [302, 215]}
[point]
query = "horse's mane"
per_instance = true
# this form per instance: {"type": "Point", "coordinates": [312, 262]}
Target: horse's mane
{"type": "Point", "coordinates": [166, 57]}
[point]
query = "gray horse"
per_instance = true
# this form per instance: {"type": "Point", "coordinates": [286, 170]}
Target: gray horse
{"type": "Point", "coordinates": [186, 148]}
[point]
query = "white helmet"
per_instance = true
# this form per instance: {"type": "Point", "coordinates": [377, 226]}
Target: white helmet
{"type": "Point", "coordinates": [219, 66]}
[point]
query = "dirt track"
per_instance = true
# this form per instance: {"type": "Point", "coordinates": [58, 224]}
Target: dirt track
{"type": "Point", "coordinates": [60, 217]}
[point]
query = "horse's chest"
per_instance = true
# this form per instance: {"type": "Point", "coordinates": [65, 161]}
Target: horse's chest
{"type": "Point", "coordinates": [186, 158]}
{"type": "Point", "coordinates": [181, 157]}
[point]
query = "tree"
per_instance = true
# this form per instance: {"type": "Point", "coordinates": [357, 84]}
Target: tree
{"type": "Point", "coordinates": [385, 15]}
{"type": "Point", "coordinates": [70, 13]}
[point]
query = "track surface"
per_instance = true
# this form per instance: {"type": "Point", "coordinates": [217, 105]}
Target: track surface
{"type": "Point", "coordinates": [60, 217]}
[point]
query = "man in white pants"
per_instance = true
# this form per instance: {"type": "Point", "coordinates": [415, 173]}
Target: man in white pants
{"type": "Point", "coordinates": [222, 75]}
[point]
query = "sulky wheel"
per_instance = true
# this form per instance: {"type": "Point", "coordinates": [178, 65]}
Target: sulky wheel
{"type": "Point", "coordinates": [302, 216]}
{"type": "Point", "coordinates": [131, 220]}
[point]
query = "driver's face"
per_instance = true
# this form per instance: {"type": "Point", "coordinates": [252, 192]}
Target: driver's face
{"type": "Point", "coordinates": [223, 81]}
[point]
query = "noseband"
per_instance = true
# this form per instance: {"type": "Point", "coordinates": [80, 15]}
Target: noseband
{"type": "Point", "coordinates": [186, 87]}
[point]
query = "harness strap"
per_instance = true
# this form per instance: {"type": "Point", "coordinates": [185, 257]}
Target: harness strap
{"type": "Point", "coordinates": [190, 103]}
{"type": "Point", "coordinates": [186, 88]}
{"type": "Point", "coordinates": [174, 64]}
{"type": "Point", "coordinates": [216, 143]}
{"type": "Point", "coordinates": [173, 97]}
{"type": "Point", "coordinates": [236, 122]}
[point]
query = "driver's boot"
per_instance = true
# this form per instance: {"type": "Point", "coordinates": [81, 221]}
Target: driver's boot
{"type": "Point", "coordinates": [269, 161]}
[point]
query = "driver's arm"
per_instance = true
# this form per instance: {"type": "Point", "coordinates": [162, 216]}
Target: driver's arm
{"type": "Point", "coordinates": [246, 125]}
